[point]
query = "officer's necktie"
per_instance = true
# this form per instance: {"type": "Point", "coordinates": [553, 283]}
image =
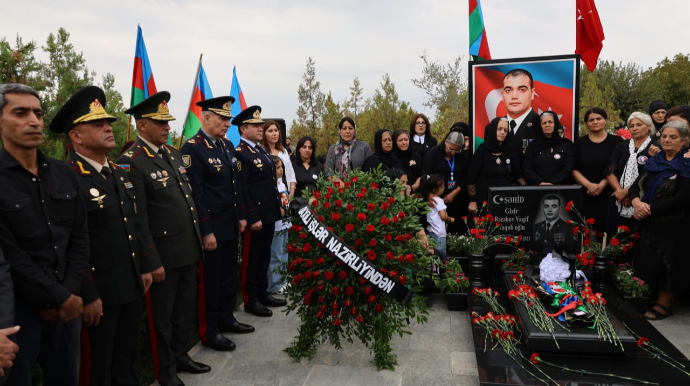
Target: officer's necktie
{"type": "Point", "coordinates": [108, 174]}
{"type": "Point", "coordinates": [261, 151]}
{"type": "Point", "coordinates": [164, 156]}
{"type": "Point", "coordinates": [548, 228]}
{"type": "Point", "coordinates": [512, 125]}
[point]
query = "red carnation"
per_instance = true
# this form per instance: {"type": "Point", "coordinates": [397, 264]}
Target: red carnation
{"type": "Point", "coordinates": [335, 291]}
{"type": "Point", "coordinates": [379, 308]}
{"type": "Point", "coordinates": [374, 185]}
{"type": "Point", "coordinates": [335, 216]}
{"type": "Point", "coordinates": [360, 196]}
{"type": "Point", "coordinates": [336, 322]}
{"type": "Point", "coordinates": [315, 203]}
{"type": "Point", "coordinates": [642, 341]}
{"type": "Point", "coordinates": [636, 236]}
{"type": "Point", "coordinates": [615, 242]}
{"type": "Point", "coordinates": [384, 220]}
{"type": "Point", "coordinates": [354, 179]}
{"type": "Point", "coordinates": [349, 291]}
{"type": "Point", "coordinates": [342, 275]}
{"type": "Point", "coordinates": [367, 290]}
{"type": "Point", "coordinates": [403, 280]}
{"type": "Point", "coordinates": [569, 206]}
{"type": "Point", "coordinates": [370, 228]}
{"type": "Point", "coordinates": [371, 207]}
{"type": "Point", "coordinates": [384, 205]}
{"type": "Point", "coordinates": [535, 356]}
{"type": "Point", "coordinates": [361, 216]}
{"type": "Point", "coordinates": [391, 200]}
{"type": "Point", "coordinates": [349, 227]}
{"type": "Point", "coordinates": [350, 207]}
{"type": "Point", "coordinates": [360, 319]}
{"type": "Point", "coordinates": [590, 221]}
{"type": "Point", "coordinates": [307, 247]}
{"type": "Point", "coordinates": [339, 203]}
{"type": "Point", "coordinates": [329, 275]}
{"type": "Point", "coordinates": [319, 314]}
{"type": "Point", "coordinates": [372, 299]}
{"type": "Point", "coordinates": [388, 237]}
{"type": "Point", "coordinates": [390, 255]}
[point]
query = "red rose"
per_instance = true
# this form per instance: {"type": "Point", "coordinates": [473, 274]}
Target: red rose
{"type": "Point", "coordinates": [320, 288]}
{"type": "Point", "coordinates": [328, 196]}
{"type": "Point", "coordinates": [360, 196]}
{"type": "Point", "coordinates": [384, 220]}
{"type": "Point", "coordinates": [363, 190]}
{"type": "Point", "coordinates": [360, 319]}
{"type": "Point", "coordinates": [354, 179]}
{"type": "Point", "coordinates": [308, 275]}
{"type": "Point", "coordinates": [307, 247]}
{"type": "Point", "coordinates": [590, 221]}
{"type": "Point", "coordinates": [370, 228]}
{"type": "Point", "coordinates": [361, 216]}
{"type": "Point", "coordinates": [320, 218]}
{"type": "Point", "coordinates": [320, 260]}
{"type": "Point", "coordinates": [379, 308]}
{"type": "Point", "coordinates": [339, 203]}
{"type": "Point", "coordinates": [336, 322]}
{"type": "Point", "coordinates": [362, 280]}
{"type": "Point", "coordinates": [395, 219]}
{"type": "Point", "coordinates": [372, 299]}
{"type": "Point", "coordinates": [615, 242]}
{"type": "Point", "coordinates": [401, 258]}
{"type": "Point", "coordinates": [319, 314]}
{"type": "Point", "coordinates": [335, 216]}
{"type": "Point", "coordinates": [636, 236]}
{"type": "Point", "coordinates": [341, 190]}
{"type": "Point", "coordinates": [315, 274]}
{"type": "Point", "coordinates": [371, 207]}
{"type": "Point", "coordinates": [302, 236]}
{"type": "Point", "coordinates": [349, 291]}
{"type": "Point", "coordinates": [308, 263]}
{"type": "Point", "coordinates": [388, 237]}
{"type": "Point", "coordinates": [317, 194]}
{"type": "Point", "coordinates": [347, 302]}
{"type": "Point", "coordinates": [350, 207]}
{"type": "Point", "coordinates": [358, 242]}
{"type": "Point", "coordinates": [384, 205]}
{"type": "Point", "coordinates": [329, 190]}
{"type": "Point", "coordinates": [373, 243]}
{"type": "Point", "coordinates": [353, 311]}
{"type": "Point", "coordinates": [315, 203]}
{"type": "Point", "coordinates": [400, 238]}
{"type": "Point", "coordinates": [390, 255]}
{"type": "Point", "coordinates": [326, 204]}
{"type": "Point", "coordinates": [349, 227]}
{"type": "Point", "coordinates": [367, 290]}
{"type": "Point", "coordinates": [394, 274]}
{"type": "Point", "coordinates": [374, 185]}
{"type": "Point", "coordinates": [371, 255]}
{"type": "Point", "coordinates": [409, 258]}
{"type": "Point", "coordinates": [329, 275]}
{"type": "Point", "coordinates": [403, 280]}
{"type": "Point", "coordinates": [342, 275]}
{"type": "Point", "coordinates": [348, 184]}
{"type": "Point", "coordinates": [408, 236]}
{"type": "Point", "coordinates": [335, 312]}
{"type": "Point", "coordinates": [335, 291]}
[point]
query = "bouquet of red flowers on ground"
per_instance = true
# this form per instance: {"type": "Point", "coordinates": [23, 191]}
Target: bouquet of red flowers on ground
{"type": "Point", "coordinates": [617, 246]}
{"type": "Point", "coordinates": [486, 233]}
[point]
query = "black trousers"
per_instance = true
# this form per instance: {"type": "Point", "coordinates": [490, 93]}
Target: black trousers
{"type": "Point", "coordinates": [256, 256]}
{"type": "Point", "coordinates": [172, 308]}
{"type": "Point", "coordinates": [217, 288]}
{"type": "Point", "coordinates": [114, 346]}
{"type": "Point", "coordinates": [54, 345]}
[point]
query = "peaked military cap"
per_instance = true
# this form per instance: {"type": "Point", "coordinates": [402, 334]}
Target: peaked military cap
{"type": "Point", "coordinates": [221, 105]}
{"type": "Point", "coordinates": [251, 114]}
{"type": "Point", "coordinates": [154, 107]}
{"type": "Point", "coordinates": [86, 105]}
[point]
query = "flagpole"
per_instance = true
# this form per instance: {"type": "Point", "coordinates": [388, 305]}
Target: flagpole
{"type": "Point", "coordinates": [191, 98]}
{"type": "Point", "coordinates": [129, 123]}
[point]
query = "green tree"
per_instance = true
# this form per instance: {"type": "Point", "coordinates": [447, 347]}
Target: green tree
{"type": "Point", "coordinates": [593, 95]}
{"type": "Point", "coordinates": [353, 106]}
{"type": "Point", "coordinates": [329, 134]}
{"type": "Point", "coordinates": [384, 111]}
{"type": "Point", "coordinates": [311, 99]}
{"type": "Point", "coordinates": [672, 77]}
{"type": "Point", "coordinates": [18, 64]}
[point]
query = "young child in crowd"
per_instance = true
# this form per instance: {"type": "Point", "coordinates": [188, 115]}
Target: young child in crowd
{"type": "Point", "coordinates": [437, 218]}
{"type": "Point", "coordinates": [279, 255]}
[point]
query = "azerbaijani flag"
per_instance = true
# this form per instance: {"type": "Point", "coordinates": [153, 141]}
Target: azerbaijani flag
{"type": "Point", "coordinates": [202, 91]}
{"type": "Point", "coordinates": [479, 44]}
{"type": "Point", "coordinates": [237, 107]}
{"type": "Point", "coordinates": [143, 85]}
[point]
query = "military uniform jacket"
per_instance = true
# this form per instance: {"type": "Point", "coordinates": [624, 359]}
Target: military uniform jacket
{"type": "Point", "coordinates": [560, 235]}
{"type": "Point", "coordinates": [527, 131]}
{"type": "Point", "coordinates": [214, 176]}
{"type": "Point", "coordinates": [258, 176]}
{"type": "Point", "coordinates": [168, 209]}
{"type": "Point", "coordinates": [43, 231]}
{"type": "Point", "coordinates": [119, 250]}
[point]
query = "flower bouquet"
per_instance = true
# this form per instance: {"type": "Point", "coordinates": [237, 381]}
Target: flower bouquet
{"type": "Point", "coordinates": [629, 283]}
{"type": "Point", "coordinates": [458, 245]}
{"type": "Point", "coordinates": [454, 283]}
{"type": "Point", "coordinates": [372, 217]}
{"type": "Point", "coordinates": [518, 261]}
{"type": "Point", "coordinates": [486, 233]}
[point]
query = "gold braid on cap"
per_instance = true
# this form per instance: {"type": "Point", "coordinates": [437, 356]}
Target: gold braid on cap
{"type": "Point", "coordinates": [96, 111]}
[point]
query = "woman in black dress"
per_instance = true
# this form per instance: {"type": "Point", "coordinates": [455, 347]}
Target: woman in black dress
{"type": "Point", "coordinates": [549, 158]}
{"type": "Point", "coordinates": [383, 154]}
{"type": "Point", "coordinates": [411, 161]}
{"type": "Point", "coordinates": [626, 163]}
{"type": "Point", "coordinates": [592, 154]}
{"type": "Point", "coordinates": [449, 160]}
{"type": "Point", "coordinates": [493, 164]}
{"type": "Point", "coordinates": [659, 197]}
{"type": "Point", "coordinates": [422, 140]}
{"type": "Point", "coordinates": [307, 168]}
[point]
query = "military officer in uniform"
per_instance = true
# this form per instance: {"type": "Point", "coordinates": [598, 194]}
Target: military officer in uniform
{"type": "Point", "coordinates": [44, 237]}
{"type": "Point", "coordinates": [518, 93]}
{"type": "Point", "coordinates": [161, 183]}
{"type": "Point", "coordinates": [214, 175]}
{"type": "Point", "coordinates": [120, 263]}
{"type": "Point", "coordinates": [262, 201]}
{"type": "Point", "coordinates": [553, 231]}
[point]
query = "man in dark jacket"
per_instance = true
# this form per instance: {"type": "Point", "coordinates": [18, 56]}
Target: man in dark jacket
{"type": "Point", "coordinates": [214, 175]}
{"type": "Point", "coordinates": [44, 237]}
{"type": "Point", "coordinates": [120, 260]}
{"type": "Point", "coordinates": [518, 93]}
{"type": "Point", "coordinates": [160, 181]}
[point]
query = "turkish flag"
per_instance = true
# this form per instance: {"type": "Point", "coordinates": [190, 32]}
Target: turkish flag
{"type": "Point", "coordinates": [590, 33]}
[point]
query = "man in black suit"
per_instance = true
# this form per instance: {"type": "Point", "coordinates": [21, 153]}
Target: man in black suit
{"type": "Point", "coordinates": [120, 262]}
{"type": "Point", "coordinates": [161, 183]}
{"type": "Point", "coordinates": [214, 175]}
{"type": "Point", "coordinates": [44, 237]}
{"type": "Point", "coordinates": [262, 201]}
{"type": "Point", "coordinates": [518, 93]}
{"type": "Point", "coordinates": [553, 230]}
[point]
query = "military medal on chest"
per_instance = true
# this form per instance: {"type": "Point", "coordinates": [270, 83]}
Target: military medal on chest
{"type": "Point", "coordinates": [216, 163]}
{"type": "Point", "coordinates": [97, 197]}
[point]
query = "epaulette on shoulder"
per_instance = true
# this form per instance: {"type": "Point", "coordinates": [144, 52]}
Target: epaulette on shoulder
{"type": "Point", "coordinates": [133, 152]}
{"type": "Point", "coordinates": [243, 146]}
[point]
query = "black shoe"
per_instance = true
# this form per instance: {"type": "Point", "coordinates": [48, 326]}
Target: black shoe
{"type": "Point", "coordinates": [173, 382]}
{"type": "Point", "coordinates": [193, 367]}
{"type": "Point", "coordinates": [219, 343]}
{"type": "Point", "coordinates": [270, 301]}
{"type": "Point", "coordinates": [258, 309]}
{"type": "Point", "coordinates": [236, 327]}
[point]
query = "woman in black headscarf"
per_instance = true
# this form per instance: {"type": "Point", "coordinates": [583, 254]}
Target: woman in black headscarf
{"type": "Point", "coordinates": [549, 158]}
{"type": "Point", "coordinates": [493, 164]}
{"type": "Point", "coordinates": [411, 160]}
{"type": "Point", "coordinates": [657, 110]}
{"type": "Point", "coordinates": [383, 153]}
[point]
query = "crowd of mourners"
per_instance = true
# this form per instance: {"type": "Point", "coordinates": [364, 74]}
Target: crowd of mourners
{"type": "Point", "coordinates": [642, 183]}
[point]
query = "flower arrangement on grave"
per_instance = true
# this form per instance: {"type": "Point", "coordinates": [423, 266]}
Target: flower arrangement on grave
{"type": "Point", "coordinates": [518, 261]}
{"type": "Point", "coordinates": [459, 244]}
{"type": "Point", "coordinates": [486, 233]}
{"type": "Point", "coordinates": [452, 278]}
{"type": "Point", "coordinates": [491, 297]}
{"type": "Point", "coordinates": [527, 296]}
{"type": "Point", "coordinates": [334, 294]}
{"type": "Point", "coordinates": [595, 304]}
{"type": "Point", "coordinates": [617, 246]}
{"type": "Point", "coordinates": [629, 283]}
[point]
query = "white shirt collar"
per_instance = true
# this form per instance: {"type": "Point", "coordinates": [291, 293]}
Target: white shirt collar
{"type": "Point", "coordinates": [419, 139]}
{"type": "Point", "coordinates": [93, 163]}
{"type": "Point", "coordinates": [519, 120]}
{"type": "Point", "coordinates": [249, 142]}
{"type": "Point", "coordinates": [152, 146]}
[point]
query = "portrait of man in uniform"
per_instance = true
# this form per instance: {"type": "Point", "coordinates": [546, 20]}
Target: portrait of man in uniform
{"type": "Point", "coordinates": [554, 230]}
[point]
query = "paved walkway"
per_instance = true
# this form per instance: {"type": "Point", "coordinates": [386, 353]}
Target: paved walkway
{"type": "Point", "coordinates": [437, 353]}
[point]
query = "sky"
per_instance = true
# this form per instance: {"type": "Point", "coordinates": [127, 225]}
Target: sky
{"type": "Point", "coordinates": [270, 41]}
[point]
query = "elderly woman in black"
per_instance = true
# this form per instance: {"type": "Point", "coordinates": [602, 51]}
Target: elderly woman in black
{"type": "Point", "coordinates": [422, 140]}
{"type": "Point", "coordinates": [449, 160]}
{"type": "Point", "coordinates": [493, 164]}
{"type": "Point", "coordinates": [346, 154]}
{"type": "Point", "coordinates": [411, 161]}
{"type": "Point", "coordinates": [657, 110]}
{"type": "Point", "coordinates": [660, 200]}
{"type": "Point", "coordinates": [383, 154]}
{"type": "Point", "coordinates": [307, 168]}
{"type": "Point", "coordinates": [549, 157]}
{"type": "Point", "coordinates": [626, 163]}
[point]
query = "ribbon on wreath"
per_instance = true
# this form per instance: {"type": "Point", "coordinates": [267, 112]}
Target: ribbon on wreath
{"type": "Point", "coordinates": [349, 257]}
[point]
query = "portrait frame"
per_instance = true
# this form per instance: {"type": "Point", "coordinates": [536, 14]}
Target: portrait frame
{"type": "Point", "coordinates": [556, 87]}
